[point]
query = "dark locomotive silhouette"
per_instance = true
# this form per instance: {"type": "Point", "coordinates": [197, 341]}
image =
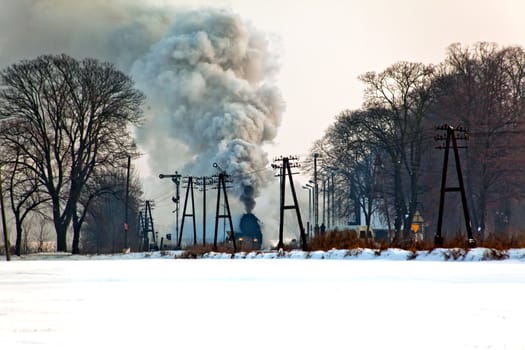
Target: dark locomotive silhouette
{"type": "Point", "coordinates": [250, 235]}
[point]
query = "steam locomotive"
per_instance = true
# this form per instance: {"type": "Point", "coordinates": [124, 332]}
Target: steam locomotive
{"type": "Point", "coordinates": [250, 235]}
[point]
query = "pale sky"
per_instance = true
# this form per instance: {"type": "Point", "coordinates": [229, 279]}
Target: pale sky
{"type": "Point", "coordinates": [327, 44]}
{"type": "Point", "coordinates": [323, 45]}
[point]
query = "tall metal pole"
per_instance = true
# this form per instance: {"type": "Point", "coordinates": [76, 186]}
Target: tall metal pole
{"type": "Point", "coordinates": [204, 210]}
{"type": "Point", "coordinates": [328, 203]}
{"type": "Point", "coordinates": [333, 199]}
{"type": "Point", "coordinates": [193, 212]}
{"type": "Point", "coordinates": [4, 225]}
{"type": "Point", "coordinates": [310, 202]}
{"type": "Point", "coordinates": [281, 211]}
{"type": "Point", "coordinates": [175, 178]}
{"type": "Point", "coordinates": [309, 209]}
{"type": "Point", "coordinates": [316, 197]}
{"type": "Point", "coordinates": [310, 189]}
{"type": "Point", "coordinates": [217, 211]}
{"type": "Point", "coordinates": [126, 226]}
{"type": "Point", "coordinates": [324, 202]}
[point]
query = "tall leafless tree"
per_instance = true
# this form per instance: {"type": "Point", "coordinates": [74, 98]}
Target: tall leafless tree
{"type": "Point", "coordinates": [102, 232]}
{"type": "Point", "coordinates": [23, 191]}
{"type": "Point", "coordinates": [484, 90]}
{"type": "Point", "coordinates": [73, 117]}
{"type": "Point", "coordinates": [401, 96]}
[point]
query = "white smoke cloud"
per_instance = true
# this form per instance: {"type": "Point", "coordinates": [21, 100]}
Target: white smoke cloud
{"type": "Point", "coordinates": [208, 74]}
{"type": "Point", "coordinates": [210, 80]}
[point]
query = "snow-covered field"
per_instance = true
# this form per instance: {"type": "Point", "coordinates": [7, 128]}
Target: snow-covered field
{"type": "Point", "coordinates": [332, 300]}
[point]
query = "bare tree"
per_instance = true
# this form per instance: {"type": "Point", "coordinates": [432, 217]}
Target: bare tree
{"type": "Point", "coordinates": [400, 98]}
{"type": "Point", "coordinates": [353, 146]}
{"type": "Point", "coordinates": [72, 117]}
{"type": "Point", "coordinates": [103, 231]}
{"type": "Point", "coordinates": [484, 90]}
{"type": "Point", "coordinates": [23, 190]}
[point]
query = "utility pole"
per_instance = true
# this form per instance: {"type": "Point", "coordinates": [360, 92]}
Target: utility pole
{"type": "Point", "coordinates": [330, 194]}
{"type": "Point", "coordinates": [189, 187]}
{"type": "Point", "coordinates": [328, 202]}
{"type": "Point", "coordinates": [332, 205]}
{"type": "Point", "coordinates": [205, 180]}
{"type": "Point", "coordinates": [146, 222]}
{"type": "Point", "coordinates": [448, 138]}
{"type": "Point", "coordinates": [285, 169]}
{"type": "Point", "coordinates": [126, 225]}
{"type": "Point", "coordinates": [316, 197]}
{"type": "Point", "coordinates": [309, 223]}
{"type": "Point", "coordinates": [222, 178]}
{"type": "Point", "coordinates": [204, 210]}
{"type": "Point", "coordinates": [323, 223]}
{"type": "Point", "coordinates": [4, 225]}
{"type": "Point", "coordinates": [175, 178]}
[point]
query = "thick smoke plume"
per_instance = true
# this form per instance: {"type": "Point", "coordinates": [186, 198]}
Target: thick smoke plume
{"type": "Point", "coordinates": [208, 75]}
{"type": "Point", "coordinates": [212, 95]}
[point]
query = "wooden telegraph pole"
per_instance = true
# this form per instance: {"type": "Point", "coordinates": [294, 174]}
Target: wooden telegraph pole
{"type": "Point", "coordinates": [285, 170]}
{"type": "Point", "coordinates": [449, 138]}
{"type": "Point", "coordinates": [189, 189]}
{"type": "Point", "coordinates": [126, 204]}
{"type": "Point", "coordinates": [4, 225]}
{"type": "Point", "coordinates": [221, 180]}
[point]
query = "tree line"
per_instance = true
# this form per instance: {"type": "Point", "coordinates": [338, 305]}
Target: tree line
{"type": "Point", "coordinates": [64, 139]}
{"type": "Point", "coordinates": [385, 152]}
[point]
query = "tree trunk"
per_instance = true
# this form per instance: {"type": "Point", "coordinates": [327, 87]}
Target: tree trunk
{"type": "Point", "coordinates": [399, 202]}
{"type": "Point", "coordinates": [61, 231]}
{"type": "Point", "coordinates": [368, 218]}
{"type": "Point", "coordinates": [18, 244]}
{"type": "Point", "coordinates": [76, 234]}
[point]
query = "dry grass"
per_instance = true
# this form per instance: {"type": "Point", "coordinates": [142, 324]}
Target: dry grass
{"type": "Point", "coordinates": [195, 251]}
{"type": "Point", "coordinates": [503, 243]}
{"type": "Point", "coordinates": [411, 245]}
{"type": "Point", "coordinates": [349, 239]}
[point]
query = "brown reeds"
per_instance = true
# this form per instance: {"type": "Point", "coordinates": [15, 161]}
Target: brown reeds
{"type": "Point", "coordinates": [349, 239]}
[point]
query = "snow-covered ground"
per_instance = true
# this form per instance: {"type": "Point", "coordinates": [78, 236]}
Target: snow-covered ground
{"type": "Point", "coordinates": [321, 300]}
